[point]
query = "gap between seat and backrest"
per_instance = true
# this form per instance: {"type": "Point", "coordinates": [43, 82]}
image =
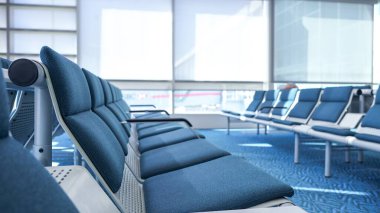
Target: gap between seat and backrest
{"type": "Point", "coordinates": [25, 184]}
{"type": "Point", "coordinates": [334, 102]}
{"type": "Point", "coordinates": [73, 102]}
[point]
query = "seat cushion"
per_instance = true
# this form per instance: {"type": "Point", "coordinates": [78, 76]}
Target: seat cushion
{"type": "Point", "coordinates": [221, 184]}
{"type": "Point", "coordinates": [159, 129]}
{"type": "Point", "coordinates": [263, 118]}
{"type": "Point", "coordinates": [166, 139]}
{"type": "Point", "coordinates": [335, 131]}
{"type": "Point", "coordinates": [286, 122]}
{"type": "Point", "coordinates": [178, 156]}
{"type": "Point", "coordinates": [368, 137]}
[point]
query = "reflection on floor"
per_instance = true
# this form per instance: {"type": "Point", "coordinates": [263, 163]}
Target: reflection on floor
{"type": "Point", "coordinates": [354, 187]}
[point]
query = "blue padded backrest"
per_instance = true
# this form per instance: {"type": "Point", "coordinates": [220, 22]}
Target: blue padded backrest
{"type": "Point", "coordinates": [336, 94]}
{"type": "Point", "coordinates": [309, 95]}
{"type": "Point", "coordinates": [270, 99]}
{"type": "Point", "coordinates": [73, 95]}
{"type": "Point", "coordinates": [334, 100]}
{"type": "Point", "coordinates": [307, 100]}
{"type": "Point", "coordinates": [286, 100]}
{"type": "Point", "coordinates": [5, 63]}
{"type": "Point", "coordinates": [257, 99]}
{"type": "Point", "coordinates": [107, 91]}
{"type": "Point", "coordinates": [25, 185]}
{"type": "Point", "coordinates": [96, 90]}
{"type": "Point", "coordinates": [371, 119]}
{"type": "Point", "coordinates": [91, 132]}
{"type": "Point", "coordinates": [103, 112]}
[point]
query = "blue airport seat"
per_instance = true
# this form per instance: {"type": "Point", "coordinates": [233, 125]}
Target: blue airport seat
{"type": "Point", "coordinates": [334, 102]}
{"type": "Point", "coordinates": [253, 106]}
{"type": "Point", "coordinates": [25, 185]}
{"type": "Point", "coordinates": [223, 183]}
{"type": "Point", "coordinates": [269, 102]}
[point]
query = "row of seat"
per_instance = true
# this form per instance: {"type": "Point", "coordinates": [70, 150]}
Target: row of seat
{"type": "Point", "coordinates": [145, 160]}
{"type": "Point", "coordinates": [322, 114]}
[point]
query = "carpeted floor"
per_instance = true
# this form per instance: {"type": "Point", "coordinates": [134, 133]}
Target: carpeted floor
{"type": "Point", "coordinates": [354, 187]}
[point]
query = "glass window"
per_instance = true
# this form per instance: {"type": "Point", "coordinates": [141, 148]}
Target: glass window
{"type": "Point", "coordinates": [3, 17]}
{"type": "Point", "coordinates": [42, 18]}
{"type": "Point", "coordinates": [3, 41]}
{"type": "Point", "coordinates": [210, 101]}
{"type": "Point", "coordinates": [133, 38]}
{"type": "Point", "coordinates": [221, 40]}
{"type": "Point", "coordinates": [31, 42]}
{"type": "Point", "coordinates": [46, 2]}
{"type": "Point", "coordinates": [376, 44]}
{"type": "Point", "coordinates": [162, 99]}
{"type": "Point", "coordinates": [323, 41]}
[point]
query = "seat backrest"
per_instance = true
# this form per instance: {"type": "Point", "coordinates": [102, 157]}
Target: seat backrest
{"type": "Point", "coordinates": [5, 63]}
{"type": "Point", "coordinates": [99, 107]}
{"type": "Point", "coordinates": [25, 185]}
{"type": "Point", "coordinates": [334, 103]}
{"type": "Point", "coordinates": [371, 119]}
{"type": "Point", "coordinates": [257, 100]}
{"type": "Point", "coordinates": [307, 100]}
{"type": "Point", "coordinates": [269, 102]}
{"type": "Point", "coordinates": [71, 98]}
{"type": "Point", "coordinates": [287, 98]}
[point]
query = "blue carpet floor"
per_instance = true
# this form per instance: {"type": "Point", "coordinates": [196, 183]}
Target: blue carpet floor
{"type": "Point", "coordinates": [354, 187]}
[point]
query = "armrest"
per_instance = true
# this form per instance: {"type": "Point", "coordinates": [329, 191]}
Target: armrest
{"type": "Point", "coordinates": [143, 105]}
{"type": "Point", "coordinates": [149, 110]}
{"type": "Point", "coordinates": [273, 107]}
{"type": "Point", "coordinates": [157, 120]}
{"type": "Point", "coordinates": [351, 120]}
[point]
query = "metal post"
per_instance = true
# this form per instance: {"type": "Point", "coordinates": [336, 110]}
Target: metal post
{"type": "Point", "coordinates": [296, 147]}
{"type": "Point", "coordinates": [266, 129]}
{"type": "Point", "coordinates": [228, 125]}
{"type": "Point", "coordinates": [258, 129]}
{"type": "Point", "coordinates": [361, 103]}
{"type": "Point", "coordinates": [347, 154]}
{"type": "Point", "coordinates": [77, 157]}
{"type": "Point", "coordinates": [360, 156]}
{"type": "Point", "coordinates": [42, 148]}
{"type": "Point", "coordinates": [328, 159]}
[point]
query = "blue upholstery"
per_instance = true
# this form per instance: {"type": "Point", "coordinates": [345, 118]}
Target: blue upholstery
{"type": "Point", "coordinates": [286, 122]}
{"type": "Point", "coordinates": [368, 137]}
{"type": "Point", "coordinates": [166, 139]}
{"type": "Point", "coordinates": [334, 131]}
{"type": "Point", "coordinates": [286, 100]}
{"type": "Point", "coordinates": [257, 99]}
{"type": "Point", "coordinates": [25, 185]}
{"type": "Point", "coordinates": [178, 156]}
{"type": "Point", "coordinates": [73, 95]}
{"type": "Point", "coordinates": [74, 101]}
{"type": "Point", "coordinates": [269, 102]}
{"type": "Point", "coordinates": [372, 117]}
{"type": "Point", "coordinates": [5, 63]}
{"type": "Point", "coordinates": [159, 129]}
{"type": "Point", "coordinates": [229, 183]}
{"type": "Point", "coordinates": [307, 100]}
{"type": "Point", "coordinates": [103, 112]}
{"type": "Point", "coordinates": [334, 101]}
